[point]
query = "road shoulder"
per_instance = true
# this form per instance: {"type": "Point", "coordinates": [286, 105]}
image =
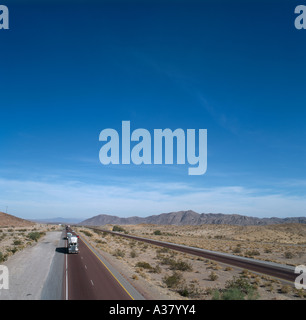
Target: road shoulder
{"type": "Point", "coordinates": [29, 269]}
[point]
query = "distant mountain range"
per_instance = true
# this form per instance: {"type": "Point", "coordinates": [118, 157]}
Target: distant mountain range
{"type": "Point", "coordinates": [190, 218]}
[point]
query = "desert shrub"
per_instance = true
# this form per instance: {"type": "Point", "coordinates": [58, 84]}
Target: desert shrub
{"type": "Point", "coordinates": [252, 253]}
{"type": "Point", "coordinates": [35, 235]}
{"type": "Point", "coordinates": [176, 264]}
{"type": "Point", "coordinates": [143, 264]}
{"type": "Point", "coordinates": [184, 292]}
{"type": "Point", "coordinates": [243, 285]}
{"type": "Point", "coordinates": [245, 273]}
{"type": "Point", "coordinates": [288, 255]}
{"type": "Point", "coordinates": [236, 289]}
{"type": "Point", "coordinates": [237, 250]}
{"type": "Point", "coordinates": [180, 265]}
{"type": "Point", "coordinates": [119, 253]}
{"type": "Point", "coordinates": [133, 254]}
{"type": "Point", "coordinates": [213, 276]}
{"type": "Point", "coordinates": [17, 242]}
{"type": "Point", "coordinates": [173, 280]}
{"type": "Point", "coordinates": [12, 250]}
{"type": "Point", "coordinates": [240, 283]}
{"type": "Point", "coordinates": [157, 233]}
{"type": "Point", "coordinates": [118, 229]}
{"type": "Point", "coordinates": [232, 294]}
{"type": "Point", "coordinates": [135, 277]}
{"type": "Point", "coordinates": [285, 289]}
{"type": "Point", "coordinates": [300, 293]}
{"type": "Point", "coordinates": [190, 291]}
{"type": "Point", "coordinates": [156, 269]}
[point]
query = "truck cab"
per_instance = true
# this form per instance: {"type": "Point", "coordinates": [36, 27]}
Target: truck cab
{"type": "Point", "coordinates": [73, 244]}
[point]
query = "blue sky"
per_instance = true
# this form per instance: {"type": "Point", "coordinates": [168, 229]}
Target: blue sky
{"type": "Point", "coordinates": [71, 69]}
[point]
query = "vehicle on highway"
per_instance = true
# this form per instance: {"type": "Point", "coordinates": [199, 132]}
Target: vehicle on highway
{"type": "Point", "coordinates": [73, 244]}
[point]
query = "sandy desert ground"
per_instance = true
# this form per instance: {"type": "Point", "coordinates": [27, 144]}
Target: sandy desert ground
{"type": "Point", "coordinates": [167, 274]}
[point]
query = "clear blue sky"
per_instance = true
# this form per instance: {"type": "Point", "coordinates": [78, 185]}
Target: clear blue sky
{"type": "Point", "coordinates": [70, 69]}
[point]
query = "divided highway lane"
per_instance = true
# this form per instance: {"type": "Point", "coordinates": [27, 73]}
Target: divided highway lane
{"type": "Point", "coordinates": [88, 278]}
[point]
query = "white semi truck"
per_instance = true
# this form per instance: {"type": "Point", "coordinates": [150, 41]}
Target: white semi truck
{"type": "Point", "coordinates": [72, 244]}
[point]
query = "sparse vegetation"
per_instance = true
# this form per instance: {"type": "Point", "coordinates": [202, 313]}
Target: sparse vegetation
{"type": "Point", "coordinates": [173, 280]}
{"type": "Point", "coordinates": [285, 289]}
{"type": "Point", "coordinates": [157, 233]}
{"type": "Point", "coordinates": [237, 250]}
{"type": "Point", "coordinates": [16, 234]}
{"type": "Point", "coordinates": [176, 264]}
{"type": "Point", "coordinates": [119, 229]}
{"type": "Point", "coordinates": [35, 235]}
{"type": "Point", "coordinates": [87, 233]}
{"type": "Point", "coordinates": [119, 253]}
{"type": "Point", "coordinates": [143, 264]}
{"type": "Point", "coordinates": [2, 257]}
{"type": "Point", "coordinates": [252, 253]}
{"type": "Point", "coordinates": [179, 275]}
{"type": "Point", "coordinates": [133, 254]}
{"type": "Point", "coordinates": [213, 276]}
{"type": "Point", "coordinates": [237, 289]}
{"type": "Point", "coordinates": [17, 242]}
{"type": "Point", "coordinates": [288, 255]}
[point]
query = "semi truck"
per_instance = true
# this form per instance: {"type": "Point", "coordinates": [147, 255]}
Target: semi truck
{"type": "Point", "coordinates": [73, 244]}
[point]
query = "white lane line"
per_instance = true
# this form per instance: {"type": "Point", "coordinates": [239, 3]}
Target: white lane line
{"type": "Point", "coordinates": [85, 266]}
{"type": "Point", "coordinates": [66, 278]}
{"type": "Point", "coordinates": [92, 282]}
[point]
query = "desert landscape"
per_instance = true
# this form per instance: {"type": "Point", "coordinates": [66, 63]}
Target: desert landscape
{"type": "Point", "coordinates": [16, 234]}
{"type": "Point", "coordinates": [167, 274]}
{"type": "Point", "coordinates": [161, 273]}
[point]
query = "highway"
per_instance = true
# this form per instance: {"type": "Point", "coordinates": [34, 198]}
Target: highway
{"type": "Point", "coordinates": [282, 272]}
{"type": "Point", "coordinates": [88, 278]}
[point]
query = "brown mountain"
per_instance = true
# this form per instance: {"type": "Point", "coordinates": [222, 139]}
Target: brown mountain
{"type": "Point", "coordinates": [190, 218]}
{"type": "Point", "coordinates": [7, 220]}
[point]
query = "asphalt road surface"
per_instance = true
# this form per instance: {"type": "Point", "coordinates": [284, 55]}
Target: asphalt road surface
{"type": "Point", "coordinates": [87, 277]}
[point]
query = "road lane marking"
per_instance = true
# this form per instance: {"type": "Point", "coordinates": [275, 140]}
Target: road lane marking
{"type": "Point", "coordinates": [91, 282]}
{"type": "Point", "coordinates": [66, 278]}
{"type": "Point", "coordinates": [108, 270]}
